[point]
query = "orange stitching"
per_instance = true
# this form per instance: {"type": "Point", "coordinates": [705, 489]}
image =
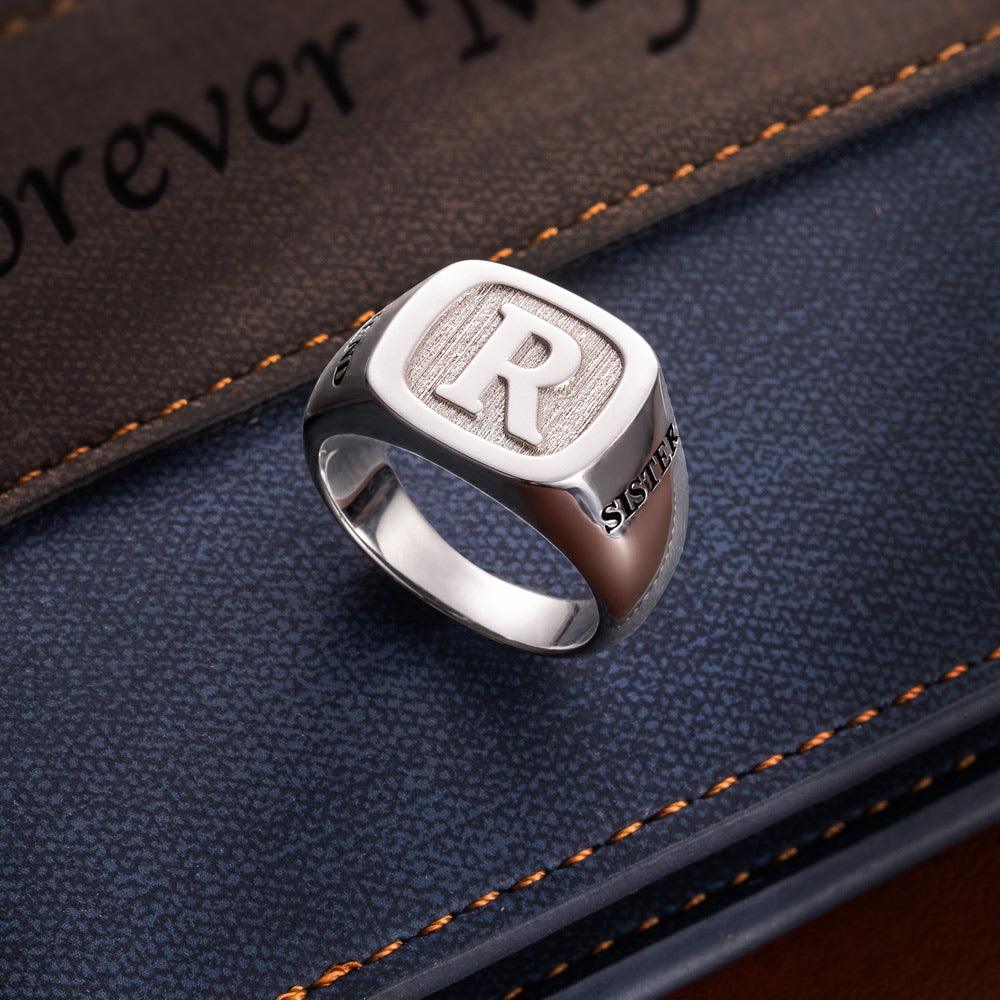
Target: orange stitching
{"type": "Point", "coordinates": [575, 859]}
{"type": "Point", "coordinates": [383, 952]}
{"type": "Point", "coordinates": [320, 338]}
{"type": "Point", "coordinates": [126, 429]}
{"type": "Point", "coordinates": [867, 715]}
{"type": "Point", "coordinates": [907, 696]}
{"type": "Point", "coordinates": [953, 50]}
{"type": "Point", "coordinates": [545, 234]}
{"type": "Point", "coordinates": [484, 900]}
{"type": "Point", "coordinates": [674, 807]}
{"type": "Point", "coordinates": [592, 211]}
{"type": "Point", "coordinates": [625, 831]}
{"type": "Point", "coordinates": [178, 404]}
{"type": "Point", "coordinates": [557, 970]}
{"type": "Point", "coordinates": [13, 26]}
{"type": "Point", "coordinates": [523, 883]}
{"type": "Point", "coordinates": [720, 786]}
{"type": "Point", "coordinates": [772, 761]}
{"type": "Point", "coordinates": [21, 22]}
{"type": "Point", "coordinates": [638, 191]}
{"type": "Point", "coordinates": [735, 881]}
{"type": "Point", "coordinates": [336, 972]}
{"type": "Point", "coordinates": [956, 671]}
{"type": "Point", "coordinates": [856, 721]}
{"type": "Point", "coordinates": [818, 740]}
{"type": "Point", "coordinates": [436, 925]}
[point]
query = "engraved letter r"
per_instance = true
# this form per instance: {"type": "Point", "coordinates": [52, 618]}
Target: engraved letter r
{"type": "Point", "coordinates": [523, 384]}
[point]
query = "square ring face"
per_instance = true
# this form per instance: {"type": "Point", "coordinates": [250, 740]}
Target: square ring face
{"type": "Point", "coordinates": [511, 371]}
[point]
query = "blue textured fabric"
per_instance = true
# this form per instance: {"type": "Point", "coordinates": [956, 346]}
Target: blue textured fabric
{"type": "Point", "coordinates": [233, 753]}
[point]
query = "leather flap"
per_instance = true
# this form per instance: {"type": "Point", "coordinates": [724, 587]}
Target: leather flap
{"type": "Point", "coordinates": [197, 200]}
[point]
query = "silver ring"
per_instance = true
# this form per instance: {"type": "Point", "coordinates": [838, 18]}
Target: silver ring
{"type": "Point", "coordinates": [541, 400]}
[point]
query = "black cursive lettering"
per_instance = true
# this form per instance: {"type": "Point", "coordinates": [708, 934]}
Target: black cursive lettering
{"type": "Point", "coordinates": [215, 151]}
{"type": "Point", "coordinates": [50, 192]}
{"type": "Point", "coordinates": [117, 176]}
{"type": "Point", "coordinates": [15, 235]}
{"type": "Point", "coordinates": [271, 78]}
{"type": "Point", "coordinates": [271, 112]}
{"type": "Point", "coordinates": [327, 64]}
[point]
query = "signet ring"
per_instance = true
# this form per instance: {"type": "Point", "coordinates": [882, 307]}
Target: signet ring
{"type": "Point", "coordinates": [541, 400]}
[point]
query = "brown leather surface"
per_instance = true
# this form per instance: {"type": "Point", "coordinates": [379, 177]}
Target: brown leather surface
{"type": "Point", "coordinates": [927, 934]}
{"type": "Point", "coordinates": [174, 277]}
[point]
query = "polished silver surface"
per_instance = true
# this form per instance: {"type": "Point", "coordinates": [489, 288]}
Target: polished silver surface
{"type": "Point", "coordinates": [541, 400]}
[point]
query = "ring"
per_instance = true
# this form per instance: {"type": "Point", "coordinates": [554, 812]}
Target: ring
{"type": "Point", "coordinates": [544, 402]}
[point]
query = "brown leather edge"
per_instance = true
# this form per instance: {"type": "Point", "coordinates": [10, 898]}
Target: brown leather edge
{"type": "Point", "coordinates": [622, 218]}
{"type": "Point", "coordinates": [925, 934]}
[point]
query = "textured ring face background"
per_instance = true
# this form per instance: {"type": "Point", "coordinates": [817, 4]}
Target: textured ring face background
{"type": "Point", "coordinates": [462, 330]}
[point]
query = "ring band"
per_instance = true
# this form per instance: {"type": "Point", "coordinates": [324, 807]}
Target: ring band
{"type": "Point", "coordinates": [541, 400]}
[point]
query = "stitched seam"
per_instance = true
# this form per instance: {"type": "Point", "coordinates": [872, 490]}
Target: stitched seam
{"type": "Point", "coordinates": [634, 193]}
{"type": "Point", "coordinates": [340, 969]}
{"type": "Point", "coordinates": [20, 22]}
{"type": "Point", "coordinates": [179, 404]}
{"type": "Point", "coordinates": [772, 130]}
{"type": "Point", "coordinates": [740, 878]}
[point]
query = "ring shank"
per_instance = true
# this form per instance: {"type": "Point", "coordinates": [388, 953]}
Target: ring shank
{"type": "Point", "coordinates": [367, 497]}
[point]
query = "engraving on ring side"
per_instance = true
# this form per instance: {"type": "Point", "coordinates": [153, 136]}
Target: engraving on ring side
{"type": "Point", "coordinates": [625, 506]}
{"type": "Point", "coordinates": [347, 351]}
